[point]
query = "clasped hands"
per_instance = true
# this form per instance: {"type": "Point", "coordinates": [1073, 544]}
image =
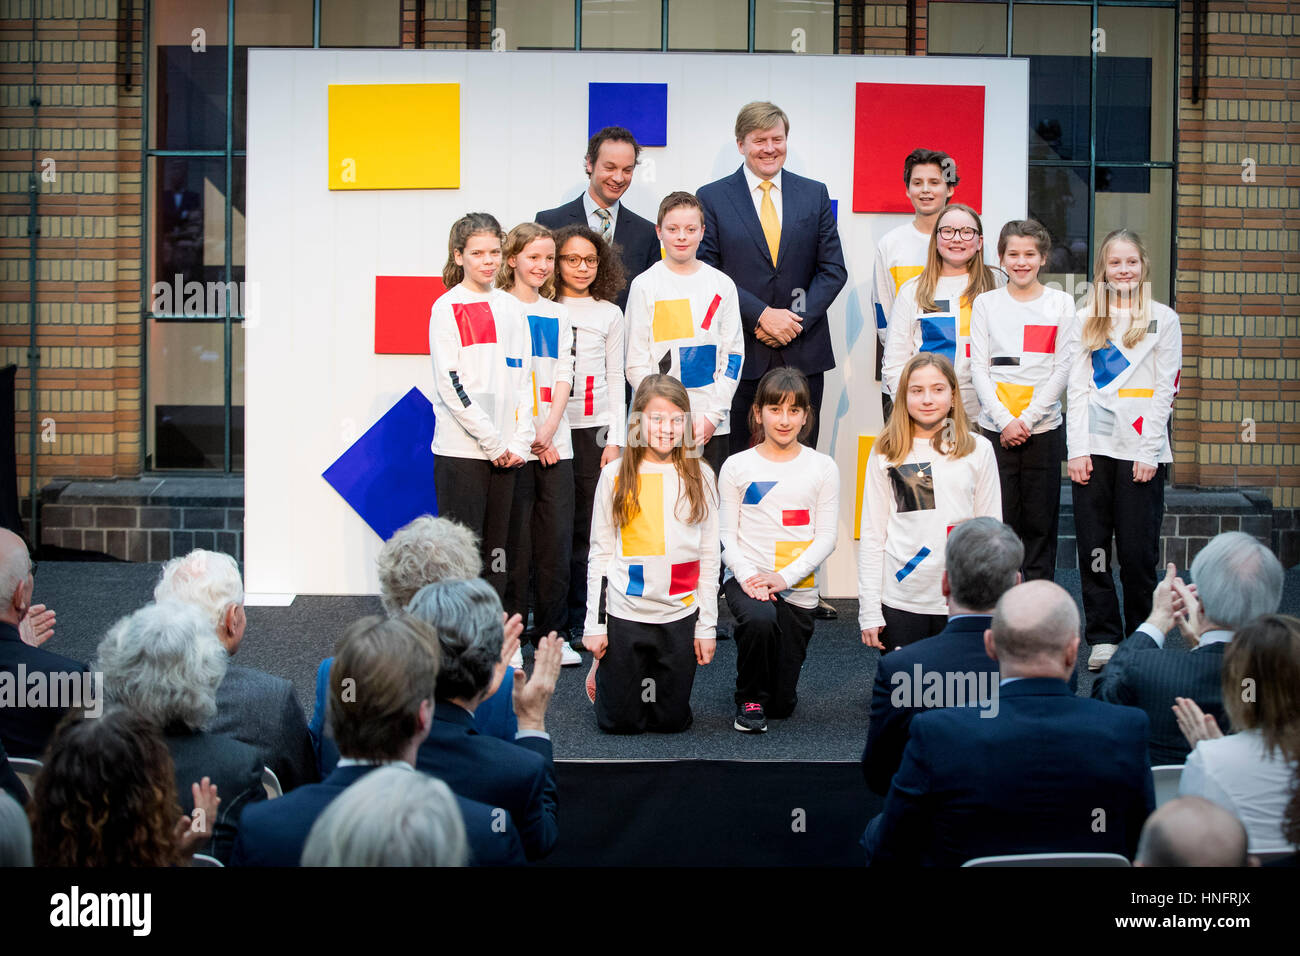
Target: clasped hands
{"type": "Point", "coordinates": [777, 327]}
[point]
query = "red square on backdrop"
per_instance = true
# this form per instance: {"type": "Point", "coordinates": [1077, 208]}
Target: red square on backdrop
{"type": "Point", "coordinates": [892, 119]}
{"type": "Point", "coordinates": [1040, 338]}
{"type": "Point", "coordinates": [685, 577]}
{"type": "Point", "coordinates": [402, 305]}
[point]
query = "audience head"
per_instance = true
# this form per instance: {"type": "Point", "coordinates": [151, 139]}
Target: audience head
{"type": "Point", "coordinates": [1237, 580]}
{"type": "Point", "coordinates": [392, 816]}
{"type": "Point", "coordinates": [106, 795]}
{"type": "Point", "coordinates": [15, 577]}
{"type": "Point", "coordinates": [1192, 831]}
{"type": "Point", "coordinates": [982, 561]}
{"type": "Point", "coordinates": [210, 581]}
{"type": "Point", "coordinates": [15, 833]}
{"type": "Point", "coordinates": [467, 616]}
{"type": "Point", "coordinates": [382, 686]}
{"type": "Point", "coordinates": [1035, 631]}
{"type": "Point", "coordinates": [426, 550]}
{"type": "Point", "coordinates": [1261, 682]}
{"type": "Point", "coordinates": [165, 662]}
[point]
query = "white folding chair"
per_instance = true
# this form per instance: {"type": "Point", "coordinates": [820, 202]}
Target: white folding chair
{"type": "Point", "coordinates": [26, 769]}
{"type": "Point", "coordinates": [1166, 779]}
{"type": "Point", "coordinates": [202, 859]}
{"type": "Point", "coordinates": [271, 783]}
{"type": "Point", "coordinates": [1050, 859]}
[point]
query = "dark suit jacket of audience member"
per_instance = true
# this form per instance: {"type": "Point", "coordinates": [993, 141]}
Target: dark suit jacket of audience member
{"type": "Point", "coordinates": [809, 261]}
{"type": "Point", "coordinates": [236, 769]}
{"type": "Point", "coordinates": [9, 781]}
{"type": "Point", "coordinates": [262, 710]}
{"type": "Point", "coordinates": [25, 731]}
{"type": "Point", "coordinates": [518, 776]}
{"type": "Point", "coordinates": [1030, 780]}
{"type": "Point", "coordinates": [958, 648]}
{"type": "Point", "coordinates": [274, 833]}
{"type": "Point", "coordinates": [635, 238]}
{"type": "Point", "coordinates": [1142, 674]}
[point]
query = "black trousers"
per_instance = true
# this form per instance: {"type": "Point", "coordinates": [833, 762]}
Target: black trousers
{"type": "Point", "coordinates": [479, 495]}
{"type": "Point", "coordinates": [771, 644]}
{"type": "Point", "coordinates": [586, 474]}
{"type": "Point", "coordinates": [645, 678]}
{"type": "Point", "coordinates": [743, 401]}
{"type": "Point", "coordinates": [1113, 508]}
{"type": "Point", "coordinates": [1030, 474]}
{"type": "Point", "coordinates": [540, 543]}
{"type": "Point", "coordinates": [908, 627]}
{"type": "Point", "coordinates": [716, 452]}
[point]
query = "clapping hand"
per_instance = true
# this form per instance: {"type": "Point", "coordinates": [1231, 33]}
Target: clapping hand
{"type": "Point", "coordinates": [1194, 723]}
{"type": "Point", "coordinates": [192, 832]}
{"type": "Point", "coordinates": [37, 626]}
{"type": "Point", "coordinates": [532, 695]}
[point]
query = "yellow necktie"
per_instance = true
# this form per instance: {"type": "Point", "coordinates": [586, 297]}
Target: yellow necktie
{"type": "Point", "coordinates": [767, 219]}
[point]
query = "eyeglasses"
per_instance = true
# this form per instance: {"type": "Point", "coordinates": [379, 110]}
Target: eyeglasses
{"type": "Point", "coordinates": [952, 232]}
{"type": "Point", "coordinates": [574, 261]}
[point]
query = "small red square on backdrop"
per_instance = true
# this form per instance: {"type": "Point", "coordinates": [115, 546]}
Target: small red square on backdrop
{"type": "Point", "coordinates": [402, 306]}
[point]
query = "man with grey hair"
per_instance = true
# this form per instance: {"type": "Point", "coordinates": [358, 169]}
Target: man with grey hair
{"type": "Point", "coordinates": [1051, 772]}
{"type": "Point", "coordinates": [164, 661]}
{"type": "Point", "coordinates": [392, 817]}
{"type": "Point", "coordinates": [1237, 580]}
{"type": "Point", "coordinates": [518, 775]}
{"type": "Point", "coordinates": [253, 706]}
{"type": "Point", "coordinates": [1193, 831]}
{"type": "Point", "coordinates": [982, 561]}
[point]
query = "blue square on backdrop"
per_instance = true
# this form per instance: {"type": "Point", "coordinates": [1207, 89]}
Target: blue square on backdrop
{"type": "Point", "coordinates": [641, 107]}
{"type": "Point", "coordinates": [699, 365]}
{"type": "Point", "coordinates": [387, 474]}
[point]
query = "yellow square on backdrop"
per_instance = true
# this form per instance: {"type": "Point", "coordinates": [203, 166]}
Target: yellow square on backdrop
{"type": "Point", "coordinates": [865, 444]}
{"type": "Point", "coordinates": [672, 320]}
{"type": "Point", "coordinates": [644, 534]}
{"type": "Point", "coordinates": [786, 552]}
{"type": "Point", "coordinates": [394, 136]}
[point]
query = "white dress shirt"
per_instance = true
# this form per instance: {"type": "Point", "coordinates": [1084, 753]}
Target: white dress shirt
{"type": "Point", "coordinates": [1209, 637]}
{"type": "Point", "coordinates": [757, 193]}
{"type": "Point", "coordinates": [593, 220]}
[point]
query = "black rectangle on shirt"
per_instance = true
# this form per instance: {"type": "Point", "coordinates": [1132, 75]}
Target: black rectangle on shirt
{"type": "Point", "coordinates": [1005, 360]}
{"type": "Point", "coordinates": [913, 486]}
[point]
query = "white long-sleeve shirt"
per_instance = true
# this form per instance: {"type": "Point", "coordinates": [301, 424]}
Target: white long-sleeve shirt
{"type": "Point", "coordinates": [687, 327]}
{"type": "Point", "coordinates": [658, 568]}
{"type": "Point", "coordinates": [779, 516]}
{"type": "Point", "coordinates": [946, 332]}
{"type": "Point", "coordinates": [482, 373]}
{"type": "Point", "coordinates": [1120, 399]}
{"type": "Point", "coordinates": [598, 361]}
{"type": "Point", "coordinates": [907, 512]}
{"type": "Point", "coordinates": [551, 336]}
{"type": "Point", "coordinates": [1021, 354]}
{"type": "Point", "coordinates": [1239, 774]}
{"type": "Point", "coordinates": [900, 255]}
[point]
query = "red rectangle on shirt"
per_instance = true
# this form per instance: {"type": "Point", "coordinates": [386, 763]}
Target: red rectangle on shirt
{"type": "Point", "coordinates": [589, 398]}
{"type": "Point", "coordinates": [475, 322]}
{"type": "Point", "coordinates": [1040, 338]}
{"type": "Point", "coordinates": [544, 393]}
{"type": "Point", "coordinates": [713, 308]}
{"type": "Point", "coordinates": [799, 517]}
{"type": "Point", "coordinates": [685, 577]}
{"type": "Point", "coordinates": [402, 305]}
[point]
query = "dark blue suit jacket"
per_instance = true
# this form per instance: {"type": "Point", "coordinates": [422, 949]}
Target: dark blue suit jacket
{"type": "Point", "coordinates": [958, 648]}
{"type": "Point", "coordinates": [25, 731]}
{"type": "Point", "coordinates": [809, 259]}
{"type": "Point", "coordinates": [1050, 773]}
{"type": "Point", "coordinates": [274, 833]}
{"type": "Point", "coordinates": [518, 776]}
{"type": "Point", "coordinates": [634, 238]}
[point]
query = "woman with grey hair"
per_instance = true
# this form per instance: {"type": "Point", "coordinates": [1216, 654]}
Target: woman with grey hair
{"type": "Point", "coordinates": [165, 662]}
{"type": "Point", "coordinates": [393, 816]}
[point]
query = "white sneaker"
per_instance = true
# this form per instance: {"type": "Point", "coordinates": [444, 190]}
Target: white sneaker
{"type": "Point", "coordinates": [568, 656]}
{"type": "Point", "coordinates": [517, 662]}
{"type": "Point", "coordinates": [1101, 653]}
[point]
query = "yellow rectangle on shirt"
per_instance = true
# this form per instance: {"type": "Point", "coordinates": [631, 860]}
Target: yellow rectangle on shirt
{"type": "Point", "coordinates": [902, 273]}
{"type": "Point", "coordinates": [786, 552]}
{"type": "Point", "coordinates": [963, 321]}
{"type": "Point", "coordinates": [1137, 392]}
{"type": "Point", "coordinates": [672, 320]}
{"type": "Point", "coordinates": [394, 136]}
{"type": "Point", "coordinates": [1015, 397]}
{"type": "Point", "coordinates": [643, 536]}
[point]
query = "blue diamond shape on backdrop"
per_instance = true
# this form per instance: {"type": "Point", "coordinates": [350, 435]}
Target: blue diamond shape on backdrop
{"type": "Point", "coordinates": [387, 474]}
{"type": "Point", "coordinates": [641, 107]}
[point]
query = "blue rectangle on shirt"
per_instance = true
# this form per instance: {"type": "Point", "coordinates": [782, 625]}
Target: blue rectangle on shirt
{"type": "Point", "coordinates": [733, 365]}
{"type": "Point", "coordinates": [908, 568]}
{"type": "Point", "coordinates": [699, 363]}
{"type": "Point", "coordinates": [514, 362]}
{"type": "Point", "coordinates": [939, 335]}
{"type": "Point", "coordinates": [1108, 364]}
{"type": "Point", "coordinates": [545, 332]}
{"type": "Point", "coordinates": [635, 580]}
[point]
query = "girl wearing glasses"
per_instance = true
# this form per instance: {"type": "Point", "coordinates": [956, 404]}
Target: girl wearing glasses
{"type": "Point", "coordinates": [589, 278]}
{"type": "Point", "coordinates": [932, 311]}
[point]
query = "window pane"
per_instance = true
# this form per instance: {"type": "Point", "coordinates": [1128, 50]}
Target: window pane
{"type": "Point", "coordinates": [972, 28]}
{"type": "Point", "coordinates": [361, 23]}
{"type": "Point", "coordinates": [1141, 200]}
{"type": "Point", "coordinates": [185, 427]}
{"type": "Point", "coordinates": [776, 20]}
{"type": "Point", "coordinates": [1057, 41]}
{"type": "Point", "coordinates": [189, 75]}
{"type": "Point", "coordinates": [536, 24]}
{"type": "Point", "coordinates": [1135, 85]}
{"type": "Point", "coordinates": [1058, 198]}
{"type": "Point", "coordinates": [622, 24]}
{"type": "Point", "coordinates": [719, 25]}
{"type": "Point", "coordinates": [188, 225]}
{"type": "Point", "coordinates": [273, 22]}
